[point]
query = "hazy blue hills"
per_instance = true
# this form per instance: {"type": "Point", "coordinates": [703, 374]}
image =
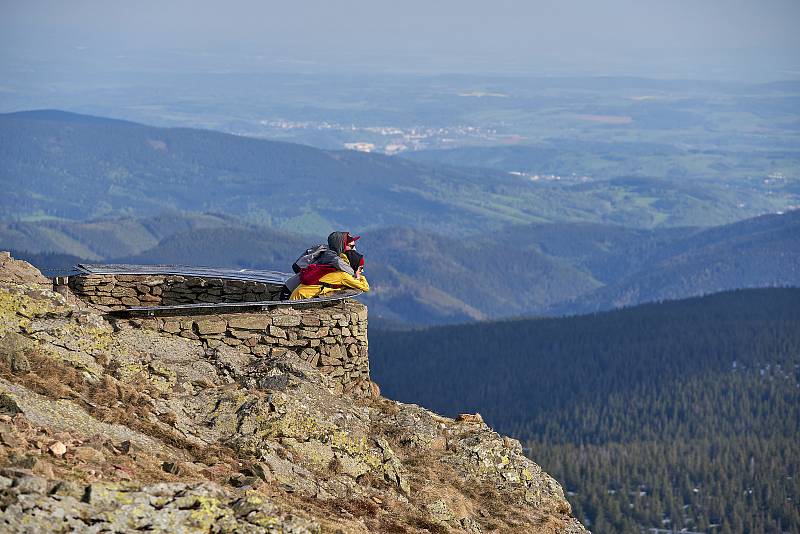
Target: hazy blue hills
{"type": "Point", "coordinates": [422, 277]}
{"type": "Point", "coordinates": [237, 246]}
{"type": "Point", "coordinates": [759, 252]}
{"type": "Point", "coordinates": [64, 165]}
{"type": "Point", "coordinates": [609, 252]}
{"type": "Point", "coordinates": [656, 412]}
{"type": "Point", "coordinates": [103, 239]}
{"type": "Point", "coordinates": [69, 166]}
{"type": "Point", "coordinates": [573, 268]}
{"type": "Point", "coordinates": [444, 244]}
{"type": "Point", "coordinates": [417, 276]}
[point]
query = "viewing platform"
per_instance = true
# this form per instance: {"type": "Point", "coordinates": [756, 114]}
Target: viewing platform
{"type": "Point", "coordinates": [233, 313]}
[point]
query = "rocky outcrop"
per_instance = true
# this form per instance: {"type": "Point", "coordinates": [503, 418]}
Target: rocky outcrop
{"type": "Point", "coordinates": [36, 504]}
{"type": "Point", "coordinates": [21, 272]}
{"type": "Point", "coordinates": [112, 426]}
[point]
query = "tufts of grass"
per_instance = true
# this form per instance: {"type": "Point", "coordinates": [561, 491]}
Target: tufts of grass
{"type": "Point", "coordinates": [426, 524]}
{"type": "Point", "coordinates": [110, 401]}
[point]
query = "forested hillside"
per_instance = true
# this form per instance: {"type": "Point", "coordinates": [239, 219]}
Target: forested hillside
{"type": "Point", "coordinates": [422, 277]}
{"type": "Point", "coordinates": [103, 239]}
{"type": "Point", "coordinates": [76, 167]}
{"type": "Point", "coordinates": [679, 414]}
{"type": "Point", "coordinates": [68, 166]}
{"type": "Point", "coordinates": [644, 266]}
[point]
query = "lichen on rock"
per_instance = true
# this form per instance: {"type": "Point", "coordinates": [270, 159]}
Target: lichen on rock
{"type": "Point", "coordinates": [196, 425]}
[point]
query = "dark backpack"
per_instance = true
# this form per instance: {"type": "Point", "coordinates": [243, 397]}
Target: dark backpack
{"type": "Point", "coordinates": [307, 258]}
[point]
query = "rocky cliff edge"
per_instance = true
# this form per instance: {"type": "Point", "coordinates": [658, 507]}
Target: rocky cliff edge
{"type": "Point", "coordinates": [106, 428]}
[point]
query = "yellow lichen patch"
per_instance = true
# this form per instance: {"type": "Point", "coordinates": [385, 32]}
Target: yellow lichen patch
{"type": "Point", "coordinates": [129, 372]}
{"type": "Point", "coordinates": [263, 520]}
{"type": "Point", "coordinates": [162, 378]}
{"type": "Point", "coordinates": [206, 511]}
{"type": "Point", "coordinates": [77, 359]}
{"type": "Point", "coordinates": [299, 426]}
{"type": "Point", "coordinates": [79, 346]}
{"type": "Point", "coordinates": [314, 452]}
{"type": "Point", "coordinates": [16, 310]}
{"type": "Point", "coordinates": [526, 474]}
{"type": "Point", "coordinates": [533, 496]}
{"type": "Point", "coordinates": [159, 501]}
{"type": "Point", "coordinates": [350, 444]}
{"type": "Point", "coordinates": [118, 495]}
{"type": "Point", "coordinates": [253, 497]}
{"type": "Point", "coordinates": [355, 447]}
{"type": "Point", "coordinates": [19, 305]}
{"type": "Point", "coordinates": [86, 338]}
{"type": "Point", "coordinates": [224, 416]}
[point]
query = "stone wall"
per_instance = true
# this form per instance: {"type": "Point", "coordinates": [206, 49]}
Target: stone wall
{"type": "Point", "coordinates": [331, 336]}
{"type": "Point", "coordinates": [122, 291]}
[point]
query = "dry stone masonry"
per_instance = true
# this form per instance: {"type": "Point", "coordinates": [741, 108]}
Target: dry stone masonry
{"type": "Point", "coordinates": [331, 336]}
{"type": "Point", "coordinates": [121, 291]}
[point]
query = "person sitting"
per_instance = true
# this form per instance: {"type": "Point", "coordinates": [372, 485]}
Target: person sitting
{"type": "Point", "coordinates": [331, 255]}
{"type": "Point", "coordinates": [338, 243]}
{"type": "Point", "coordinates": [319, 280]}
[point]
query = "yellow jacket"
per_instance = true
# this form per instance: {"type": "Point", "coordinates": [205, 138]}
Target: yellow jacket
{"type": "Point", "coordinates": [338, 278]}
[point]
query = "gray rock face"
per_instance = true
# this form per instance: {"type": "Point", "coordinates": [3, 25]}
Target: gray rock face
{"type": "Point", "coordinates": [165, 425]}
{"type": "Point", "coordinates": [65, 416]}
{"type": "Point", "coordinates": [37, 506]}
{"type": "Point", "coordinates": [13, 347]}
{"type": "Point", "coordinates": [21, 272]}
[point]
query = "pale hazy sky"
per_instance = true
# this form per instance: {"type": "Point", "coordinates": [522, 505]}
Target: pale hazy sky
{"type": "Point", "coordinates": [495, 34]}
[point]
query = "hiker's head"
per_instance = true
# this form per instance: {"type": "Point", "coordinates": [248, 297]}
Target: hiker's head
{"type": "Point", "coordinates": [337, 241]}
{"type": "Point", "coordinates": [351, 241]}
{"type": "Point", "coordinates": [356, 260]}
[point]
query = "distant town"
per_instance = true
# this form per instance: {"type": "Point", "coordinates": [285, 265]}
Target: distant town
{"type": "Point", "coordinates": [573, 177]}
{"type": "Point", "coordinates": [391, 139]}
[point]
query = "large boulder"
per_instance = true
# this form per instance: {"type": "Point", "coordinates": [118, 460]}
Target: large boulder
{"type": "Point", "coordinates": [21, 273]}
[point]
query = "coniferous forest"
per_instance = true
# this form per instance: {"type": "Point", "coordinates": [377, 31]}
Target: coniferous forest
{"type": "Point", "coordinates": [677, 415]}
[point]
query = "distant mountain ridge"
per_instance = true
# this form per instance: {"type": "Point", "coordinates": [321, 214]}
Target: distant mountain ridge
{"type": "Point", "coordinates": [759, 252]}
{"type": "Point", "coordinates": [106, 238]}
{"type": "Point", "coordinates": [76, 167]}
{"type": "Point", "coordinates": [420, 277]}
{"type": "Point", "coordinates": [68, 166]}
{"type": "Point", "coordinates": [444, 244]}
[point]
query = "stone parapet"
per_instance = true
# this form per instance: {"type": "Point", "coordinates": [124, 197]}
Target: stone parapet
{"type": "Point", "coordinates": [120, 291]}
{"type": "Point", "coordinates": [331, 336]}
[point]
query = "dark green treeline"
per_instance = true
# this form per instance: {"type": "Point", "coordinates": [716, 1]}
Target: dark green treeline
{"type": "Point", "coordinates": [682, 414]}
